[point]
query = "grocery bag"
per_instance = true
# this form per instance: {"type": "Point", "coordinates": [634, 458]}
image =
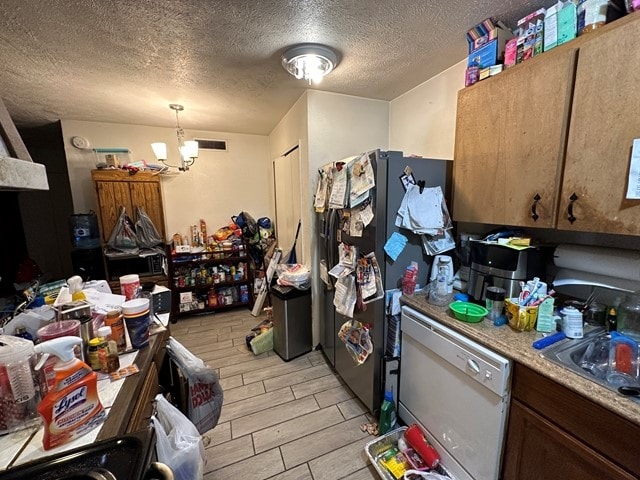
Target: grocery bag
{"type": "Point", "coordinates": [123, 236]}
{"type": "Point", "coordinates": [148, 236]}
{"type": "Point", "coordinates": [178, 442]}
{"type": "Point", "coordinates": [205, 393]}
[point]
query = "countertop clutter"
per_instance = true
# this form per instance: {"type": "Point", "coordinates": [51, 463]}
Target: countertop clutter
{"type": "Point", "coordinates": [126, 401]}
{"type": "Point", "coordinates": [517, 347]}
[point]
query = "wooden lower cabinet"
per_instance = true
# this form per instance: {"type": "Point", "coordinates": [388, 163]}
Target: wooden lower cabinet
{"type": "Point", "coordinates": [143, 409]}
{"type": "Point", "coordinates": [132, 408]}
{"type": "Point", "coordinates": [555, 433]}
{"type": "Point", "coordinates": [536, 449]}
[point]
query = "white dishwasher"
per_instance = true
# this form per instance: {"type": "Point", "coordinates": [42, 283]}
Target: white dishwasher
{"type": "Point", "coordinates": [458, 391]}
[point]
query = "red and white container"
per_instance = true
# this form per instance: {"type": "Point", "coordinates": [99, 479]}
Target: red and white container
{"type": "Point", "coordinates": [130, 286]}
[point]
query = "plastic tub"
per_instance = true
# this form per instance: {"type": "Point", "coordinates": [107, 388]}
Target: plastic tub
{"type": "Point", "coordinates": [135, 306]}
{"type": "Point", "coordinates": [63, 328]}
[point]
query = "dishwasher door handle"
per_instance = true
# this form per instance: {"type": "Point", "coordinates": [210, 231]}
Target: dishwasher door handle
{"type": "Point", "coordinates": [473, 365]}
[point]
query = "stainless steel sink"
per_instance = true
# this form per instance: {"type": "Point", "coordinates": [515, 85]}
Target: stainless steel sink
{"type": "Point", "coordinates": [123, 458]}
{"type": "Point", "coordinates": [589, 358]}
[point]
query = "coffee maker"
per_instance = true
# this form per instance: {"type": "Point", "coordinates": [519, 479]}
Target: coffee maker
{"type": "Point", "coordinates": [501, 266]}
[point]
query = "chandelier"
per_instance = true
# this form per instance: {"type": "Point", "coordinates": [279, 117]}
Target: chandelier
{"type": "Point", "coordinates": [309, 61]}
{"type": "Point", "coordinates": [188, 149]}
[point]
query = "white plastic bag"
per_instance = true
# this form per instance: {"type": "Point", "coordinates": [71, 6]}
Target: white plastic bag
{"type": "Point", "coordinates": [178, 442]}
{"type": "Point", "coordinates": [205, 391]}
{"type": "Point", "coordinates": [294, 275]}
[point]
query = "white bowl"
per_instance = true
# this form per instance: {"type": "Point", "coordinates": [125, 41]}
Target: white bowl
{"type": "Point", "coordinates": [135, 306]}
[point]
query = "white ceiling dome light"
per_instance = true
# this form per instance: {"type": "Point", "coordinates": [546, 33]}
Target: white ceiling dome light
{"type": "Point", "coordinates": [309, 61]}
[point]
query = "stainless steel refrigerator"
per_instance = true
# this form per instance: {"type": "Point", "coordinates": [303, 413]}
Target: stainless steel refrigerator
{"type": "Point", "coordinates": [365, 380]}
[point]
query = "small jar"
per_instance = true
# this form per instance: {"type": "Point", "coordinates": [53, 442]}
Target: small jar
{"type": "Point", "coordinates": [572, 322]}
{"type": "Point", "coordinates": [93, 354]}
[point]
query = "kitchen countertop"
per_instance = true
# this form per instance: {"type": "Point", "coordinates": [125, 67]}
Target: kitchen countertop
{"type": "Point", "coordinates": [517, 347]}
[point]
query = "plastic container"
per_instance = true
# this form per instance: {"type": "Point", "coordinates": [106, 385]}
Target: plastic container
{"type": "Point", "coordinates": [136, 318]}
{"type": "Point", "coordinates": [629, 316]}
{"type": "Point", "coordinates": [135, 306]}
{"type": "Point", "coordinates": [116, 322]}
{"type": "Point", "coordinates": [107, 351]}
{"type": "Point", "coordinates": [63, 328]}
{"type": "Point", "coordinates": [130, 286]}
{"type": "Point", "coordinates": [19, 384]}
{"type": "Point", "coordinates": [84, 230]}
{"type": "Point", "coordinates": [387, 414]}
{"type": "Point", "coordinates": [623, 355]}
{"type": "Point", "coordinates": [468, 312]}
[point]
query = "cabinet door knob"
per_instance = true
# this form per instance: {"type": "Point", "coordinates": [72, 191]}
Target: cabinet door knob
{"type": "Point", "coordinates": [534, 214]}
{"type": "Point", "coordinates": [570, 215]}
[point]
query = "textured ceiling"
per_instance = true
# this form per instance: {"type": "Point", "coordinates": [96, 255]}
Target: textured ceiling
{"type": "Point", "coordinates": [124, 61]}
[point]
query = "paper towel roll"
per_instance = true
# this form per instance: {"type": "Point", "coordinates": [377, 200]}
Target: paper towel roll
{"type": "Point", "coordinates": [611, 262]}
{"type": "Point", "coordinates": [567, 276]}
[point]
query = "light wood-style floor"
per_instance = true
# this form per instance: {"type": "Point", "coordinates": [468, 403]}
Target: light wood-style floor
{"type": "Point", "coordinates": [280, 420]}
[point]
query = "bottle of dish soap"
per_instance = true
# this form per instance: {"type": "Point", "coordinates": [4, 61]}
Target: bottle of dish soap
{"type": "Point", "coordinates": [387, 414]}
{"type": "Point", "coordinates": [72, 408]}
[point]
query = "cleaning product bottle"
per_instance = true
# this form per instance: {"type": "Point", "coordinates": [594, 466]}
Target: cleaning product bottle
{"type": "Point", "coordinates": [72, 408]}
{"type": "Point", "coordinates": [75, 288]}
{"type": "Point", "coordinates": [387, 414]}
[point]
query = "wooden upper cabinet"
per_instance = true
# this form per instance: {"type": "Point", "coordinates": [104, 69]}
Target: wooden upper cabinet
{"type": "Point", "coordinates": [116, 189]}
{"type": "Point", "coordinates": [479, 173]}
{"type": "Point", "coordinates": [604, 121]}
{"type": "Point", "coordinates": [559, 128]}
{"type": "Point", "coordinates": [510, 139]}
{"type": "Point", "coordinates": [537, 106]}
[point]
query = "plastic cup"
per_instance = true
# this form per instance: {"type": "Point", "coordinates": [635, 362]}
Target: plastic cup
{"type": "Point", "coordinates": [136, 317]}
{"type": "Point", "coordinates": [130, 286]}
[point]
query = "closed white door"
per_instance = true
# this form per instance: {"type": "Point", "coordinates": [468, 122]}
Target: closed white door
{"type": "Point", "coordinates": [286, 174]}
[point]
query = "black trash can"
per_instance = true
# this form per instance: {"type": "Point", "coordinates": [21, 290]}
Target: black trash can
{"type": "Point", "coordinates": [291, 321]}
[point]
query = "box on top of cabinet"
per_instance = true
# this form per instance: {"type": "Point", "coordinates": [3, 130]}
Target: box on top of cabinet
{"type": "Point", "coordinates": [567, 22]}
{"type": "Point", "coordinates": [486, 43]}
{"type": "Point", "coordinates": [560, 24]}
{"type": "Point", "coordinates": [530, 35]}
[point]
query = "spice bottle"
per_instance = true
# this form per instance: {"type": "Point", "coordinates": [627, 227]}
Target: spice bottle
{"type": "Point", "coordinates": [612, 320]}
{"type": "Point", "coordinates": [107, 351]}
{"type": "Point", "coordinates": [93, 355]}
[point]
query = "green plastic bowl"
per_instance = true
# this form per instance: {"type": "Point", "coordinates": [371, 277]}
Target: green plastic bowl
{"type": "Point", "coordinates": [468, 312]}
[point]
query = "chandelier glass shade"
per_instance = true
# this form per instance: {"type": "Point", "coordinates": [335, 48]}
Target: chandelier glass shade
{"type": "Point", "coordinates": [188, 149]}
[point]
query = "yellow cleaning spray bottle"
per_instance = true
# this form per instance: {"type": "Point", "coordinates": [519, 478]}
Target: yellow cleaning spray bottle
{"type": "Point", "coordinates": [72, 407]}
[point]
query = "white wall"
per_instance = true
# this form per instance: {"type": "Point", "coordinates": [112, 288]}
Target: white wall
{"type": "Point", "coordinates": [214, 189]}
{"type": "Point", "coordinates": [423, 120]}
{"type": "Point", "coordinates": [327, 127]}
{"type": "Point", "coordinates": [292, 131]}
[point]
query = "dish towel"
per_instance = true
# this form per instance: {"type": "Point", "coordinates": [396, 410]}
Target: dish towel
{"type": "Point", "coordinates": [421, 212]}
